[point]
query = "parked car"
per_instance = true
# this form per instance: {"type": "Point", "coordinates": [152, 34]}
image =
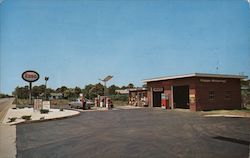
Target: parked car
{"type": "Point", "coordinates": [77, 103]}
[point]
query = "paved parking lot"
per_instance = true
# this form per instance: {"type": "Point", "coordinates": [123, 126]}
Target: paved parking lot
{"type": "Point", "coordinates": [142, 133]}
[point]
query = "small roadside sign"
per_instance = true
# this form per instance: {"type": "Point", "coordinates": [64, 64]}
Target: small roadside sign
{"type": "Point", "coordinates": [38, 103]}
{"type": "Point", "coordinates": [46, 105]}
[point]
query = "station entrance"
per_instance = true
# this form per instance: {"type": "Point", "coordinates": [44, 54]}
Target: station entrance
{"type": "Point", "coordinates": [181, 96]}
{"type": "Point", "coordinates": [157, 96]}
{"type": "Point", "coordinates": [156, 99]}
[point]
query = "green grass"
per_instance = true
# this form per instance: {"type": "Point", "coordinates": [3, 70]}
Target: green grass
{"type": "Point", "coordinates": [12, 119]}
{"type": "Point", "coordinates": [242, 110]}
{"type": "Point", "coordinates": [120, 103]}
{"type": "Point", "coordinates": [44, 111]}
{"type": "Point", "coordinates": [58, 102]}
{"type": "Point", "coordinates": [26, 117]}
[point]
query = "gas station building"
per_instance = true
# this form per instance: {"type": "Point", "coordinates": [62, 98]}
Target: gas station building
{"type": "Point", "coordinates": [137, 97]}
{"type": "Point", "coordinates": [197, 91]}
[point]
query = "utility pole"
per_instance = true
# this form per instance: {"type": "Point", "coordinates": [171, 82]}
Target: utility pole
{"type": "Point", "coordinates": [46, 79]}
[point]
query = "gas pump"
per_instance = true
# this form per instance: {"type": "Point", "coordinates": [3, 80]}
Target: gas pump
{"type": "Point", "coordinates": [163, 101]}
{"type": "Point", "coordinates": [107, 102]}
{"type": "Point", "coordinates": [96, 102]}
{"type": "Point", "coordinates": [167, 102]}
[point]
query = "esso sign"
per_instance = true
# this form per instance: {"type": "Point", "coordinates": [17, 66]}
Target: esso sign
{"type": "Point", "coordinates": [30, 76]}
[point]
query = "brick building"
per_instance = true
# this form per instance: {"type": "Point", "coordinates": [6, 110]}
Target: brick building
{"type": "Point", "coordinates": [198, 91]}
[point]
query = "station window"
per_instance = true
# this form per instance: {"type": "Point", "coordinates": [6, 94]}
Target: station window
{"type": "Point", "coordinates": [228, 95]}
{"type": "Point", "coordinates": [211, 95]}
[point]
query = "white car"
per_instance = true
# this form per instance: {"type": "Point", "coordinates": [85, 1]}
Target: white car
{"type": "Point", "coordinates": [77, 103]}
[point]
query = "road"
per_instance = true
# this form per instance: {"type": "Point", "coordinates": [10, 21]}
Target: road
{"type": "Point", "coordinates": [7, 133]}
{"type": "Point", "coordinates": [143, 133]}
{"type": "Point", "coordinates": [5, 104]}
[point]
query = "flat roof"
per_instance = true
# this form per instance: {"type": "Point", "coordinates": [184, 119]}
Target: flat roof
{"type": "Point", "coordinates": [194, 75]}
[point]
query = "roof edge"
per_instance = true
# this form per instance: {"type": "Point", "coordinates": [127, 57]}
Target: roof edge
{"type": "Point", "coordinates": [194, 75]}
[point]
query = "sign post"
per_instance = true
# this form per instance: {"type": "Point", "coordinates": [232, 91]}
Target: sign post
{"type": "Point", "coordinates": [30, 76]}
{"type": "Point", "coordinates": [30, 93]}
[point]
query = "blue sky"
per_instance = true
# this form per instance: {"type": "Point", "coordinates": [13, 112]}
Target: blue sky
{"type": "Point", "coordinates": [76, 42]}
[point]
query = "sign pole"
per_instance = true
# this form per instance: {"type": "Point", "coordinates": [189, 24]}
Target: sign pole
{"type": "Point", "coordinates": [30, 76]}
{"type": "Point", "coordinates": [30, 89]}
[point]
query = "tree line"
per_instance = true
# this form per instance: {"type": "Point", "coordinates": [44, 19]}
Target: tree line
{"type": "Point", "coordinates": [4, 95]}
{"type": "Point", "coordinates": [89, 91]}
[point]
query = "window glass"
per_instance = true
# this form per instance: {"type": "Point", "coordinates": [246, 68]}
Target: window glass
{"type": "Point", "coordinates": [211, 95]}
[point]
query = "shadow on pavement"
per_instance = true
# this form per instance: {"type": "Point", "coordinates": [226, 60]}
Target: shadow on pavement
{"type": "Point", "coordinates": [233, 140]}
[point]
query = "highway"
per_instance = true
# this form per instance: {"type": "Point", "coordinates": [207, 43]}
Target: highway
{"type": "Point", "coordinates": [5, 104]}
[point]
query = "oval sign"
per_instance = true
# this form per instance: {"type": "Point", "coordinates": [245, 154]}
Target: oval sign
{"type": "Point", "coordinates": [30, 76]}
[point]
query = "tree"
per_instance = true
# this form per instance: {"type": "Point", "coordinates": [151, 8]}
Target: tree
{"type": "Point", "coordinates": [88, 90]}
{"type": "Point", "coordinates": [112, 89]}
{"type": "Point", "coordinates": [69, 94]}
{"type": "Point", "coordinates": [38, 90]}
{"type": "Point", "coordinates": [124, 87]}
{"type": "Point", "coordinates": [77, 91]}
{"type": "Point", "coordinates": [49, 91]}
{"type": "Point", "coordinates": [99, 90]}
{"type": "Point", "coordinates": [130, 85]}
{"type": "Point", "coordinates": [66, 93]}
{"type": "Point", "coordinates": [61, 89]}
{"type": "Point", "coordinates": [22, 92]}
{"type": "Point", "coordinates": [91, 91]}
{"type": "Point", "coordinates": [4, 95]}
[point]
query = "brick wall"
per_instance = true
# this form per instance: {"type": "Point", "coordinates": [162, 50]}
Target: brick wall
{"type": "Point", "coordinates": [167, 84]}
{"type": "Point", "coordinates": [221, 98]}
{"type": "Point", "coordinates": [227, 94]}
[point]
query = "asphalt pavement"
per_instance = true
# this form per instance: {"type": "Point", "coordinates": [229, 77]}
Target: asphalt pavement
{"type": "Point", "coordinates": [145, 133]}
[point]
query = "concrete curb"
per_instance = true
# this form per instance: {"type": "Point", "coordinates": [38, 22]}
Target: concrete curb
{"type": "Point", "coordinates": [226, 115]}
{"type": "Point", "coordinates": [95, 110]}
{"type": "Point", "coordinates": [44, 120]}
